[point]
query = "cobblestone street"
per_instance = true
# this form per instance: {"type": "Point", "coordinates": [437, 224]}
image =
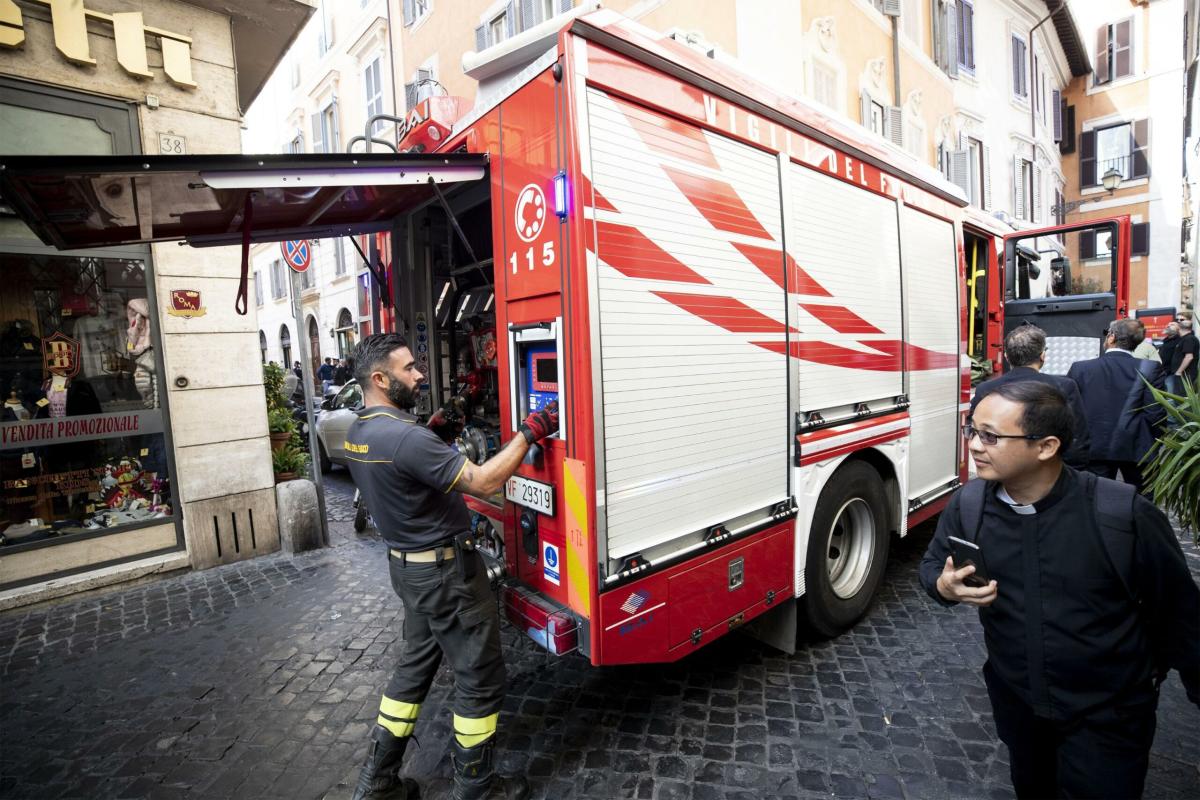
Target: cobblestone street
{"type": "Point", "coordinates": [261, 679]}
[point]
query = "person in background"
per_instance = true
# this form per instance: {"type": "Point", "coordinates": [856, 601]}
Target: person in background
{"type": "Point", "coordinates": [296, 369]}
{"type": "Point", "coordinates": [341, 373]}
{"type": "Point", "coordinates": [1088, 600]}
{"type": "Point", "coordinates": [1122, 415]}
{"type": "Point", "coordinates": [1025, 351]}
{"type": "Point", "coordinates": [1186, 356]}
{"type": "Point", "coordinates": [325, 375]}
{"type": "Point", "coordinates": [1146, 349]}
{"type": "Point", "coordinates": [1166, 352]}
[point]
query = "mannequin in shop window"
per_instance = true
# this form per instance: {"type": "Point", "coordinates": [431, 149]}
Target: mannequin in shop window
{"type": "Point", "coordinates": [137, 313]}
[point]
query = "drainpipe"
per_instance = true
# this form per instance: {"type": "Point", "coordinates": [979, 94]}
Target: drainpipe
{"type": "Point", "coordinates": [896, 60]}
{"type": "Point", "coordinates": [1032, 91]}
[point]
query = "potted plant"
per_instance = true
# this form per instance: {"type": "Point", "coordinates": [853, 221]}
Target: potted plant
{"type": "Point", "coordinates": [288, 463]}
{"type": "Point", "coordinates": [280, 424]}
{"type": "Point", "coordinates": [1172, 467]}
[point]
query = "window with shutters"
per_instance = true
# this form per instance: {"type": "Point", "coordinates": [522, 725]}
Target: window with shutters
{"type": "Point", "coordinates": [296, 145]}
{"type": "Point", "coordinates": [339, 256]}
{"type": "Point", "coordinates": [965, 22]}
{"type": "Point", "coordinates": [944, 29]}
{"type": "Point", "coordinates": [943, 160]}
{"type": "Point", "coordinates": [1139, 239]}
{"type": "Point", "coordinates": [914, 136]}
{"type": "Point", "coordinates": [875, 115]}
{"type": "Point", "coordinates": [825, 85]}
{"type": "Point", "coordinates": [1114, 52]}
{"type": "Point", "coordinates": [278, 280]}
{"type": "Point", "coordinates": [1023, 189]}
{"type": "Point", "coordinates": [325, 32]}
{"type": "Point", "coordinates": [308, 279]}
{"type": "Point", "coordinates": [910, 21]}
{"type": "Point", "coordinates": [423, 84]}
{"type": "Point", "coordinates": [1057, 111]}
{"type": "Point", "coordinates": [1124, 147]}
{"type": "Point", "coordinates": [975, 172]}
{"type": "Point", "coordinates": [329, 132]}
{"type": "Point", "coordinates": [1020, 67]}
{"type": "Point", "coordinates": [416, 10]}
{"type": "Point", "coordinates": [497, 27]}
{"type": "Point", "coordinates": [258, 288]}
{"type": "Point", "coordinates": [373, 84]}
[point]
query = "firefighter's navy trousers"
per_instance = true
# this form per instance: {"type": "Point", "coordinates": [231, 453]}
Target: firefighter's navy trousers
{"type": "Point", "coordinates": [445, 614]}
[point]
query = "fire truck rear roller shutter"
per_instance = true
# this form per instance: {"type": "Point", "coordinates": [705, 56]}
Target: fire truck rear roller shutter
{"type": "Point", "coordinates": [931, 303]}
{"type": "Point", "coordinates": [861, 274]}
{"type": "Point", "coordinates": [663, 351]}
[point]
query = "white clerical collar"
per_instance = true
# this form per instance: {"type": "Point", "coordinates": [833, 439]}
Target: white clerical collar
{"type": "Point", "coordinates": [1019, 508]}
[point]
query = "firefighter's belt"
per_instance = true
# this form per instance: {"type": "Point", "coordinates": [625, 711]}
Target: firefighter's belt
{"type": "Point", "coordinates": [423, 556]}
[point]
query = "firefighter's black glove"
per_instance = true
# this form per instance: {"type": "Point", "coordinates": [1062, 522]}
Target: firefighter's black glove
{"type": "Point", "coordinates": [540, 424]}
{"type": "Point", "coordinates": [447, 422]}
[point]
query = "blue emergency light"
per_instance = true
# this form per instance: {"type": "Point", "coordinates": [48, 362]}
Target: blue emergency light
{"type": "Point", "coordinates": [560, 195]}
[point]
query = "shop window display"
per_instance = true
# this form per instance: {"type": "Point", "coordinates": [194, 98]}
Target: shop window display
{"type": "Point", "coordinates": [82, 448]}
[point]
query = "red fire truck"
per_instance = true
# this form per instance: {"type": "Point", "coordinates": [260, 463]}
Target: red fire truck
{"type": "Point", "coordinates": [756, 318]}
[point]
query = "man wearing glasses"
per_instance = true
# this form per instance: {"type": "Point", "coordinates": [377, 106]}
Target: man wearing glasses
{"type": "Point", "coordinates": [1087, 602]}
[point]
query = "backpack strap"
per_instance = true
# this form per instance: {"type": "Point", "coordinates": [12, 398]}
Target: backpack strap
{"type": "Point", "coordinates": [1113, 505]}
{"type": "Point", "coordinates": [970, 508]}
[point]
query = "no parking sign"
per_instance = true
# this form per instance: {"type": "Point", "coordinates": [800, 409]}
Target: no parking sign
{"type": "Point", "coordinates": [297, 254]}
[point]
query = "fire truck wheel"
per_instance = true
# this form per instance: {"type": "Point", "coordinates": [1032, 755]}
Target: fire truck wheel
{"type": "Point", "coordinates": [847, 549]}
{"type": "Point", "coordinates": [323, 458]}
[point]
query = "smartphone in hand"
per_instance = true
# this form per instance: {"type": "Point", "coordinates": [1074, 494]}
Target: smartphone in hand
{"type": "Point", "coordinates": [967, 553]}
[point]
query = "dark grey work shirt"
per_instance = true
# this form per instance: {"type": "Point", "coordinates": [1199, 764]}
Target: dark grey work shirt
{"type": "Point", "coordinates": [1064, 633]}
{"type": "Point", "coordinates": [407, 476]}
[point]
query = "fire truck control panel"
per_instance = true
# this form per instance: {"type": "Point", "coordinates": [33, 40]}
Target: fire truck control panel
{"type": "Point", "coordinates": [541, 376]}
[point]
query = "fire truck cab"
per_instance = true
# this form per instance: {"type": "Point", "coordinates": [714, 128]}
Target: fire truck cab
{"type": "Point", "coordinates": [756, 320]}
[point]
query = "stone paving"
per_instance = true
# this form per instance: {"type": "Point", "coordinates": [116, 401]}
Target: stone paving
{"type": "Point", "coordinates": [260, 679]}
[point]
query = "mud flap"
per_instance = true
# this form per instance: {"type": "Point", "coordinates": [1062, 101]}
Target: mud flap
{"type": "Point", "coordinates": [776, 628]}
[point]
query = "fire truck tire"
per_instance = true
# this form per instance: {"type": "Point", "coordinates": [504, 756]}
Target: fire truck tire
{"type": "Point", "coordinates": [847, 550]}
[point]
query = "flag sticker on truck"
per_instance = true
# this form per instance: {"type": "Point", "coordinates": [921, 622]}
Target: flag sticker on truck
{"type": "Point", "coordinates": [635, 601]}
{"type": "Point", "coordinates": [550, 564]}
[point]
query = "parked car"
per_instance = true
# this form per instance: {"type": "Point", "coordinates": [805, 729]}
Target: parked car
{"type": "Point", "coordinates": [337, 413]}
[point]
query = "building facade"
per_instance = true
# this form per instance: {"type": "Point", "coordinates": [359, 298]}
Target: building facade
{"type": "Point", "coordinates": [337, 75]}
{"type": "Point", "coordinates": [116, 361]}
{"type": "Point", "coordinates": [1136, 48]}
{"type": "Point", "coordinates": [985, 109]}
{"type": "Point", "coordinates": [1190, 256]}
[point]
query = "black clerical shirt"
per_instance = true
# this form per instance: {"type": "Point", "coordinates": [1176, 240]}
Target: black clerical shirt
{"type": "Point", "coordinates": [1064, 633]}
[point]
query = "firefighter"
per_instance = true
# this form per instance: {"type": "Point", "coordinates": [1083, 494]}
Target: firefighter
{"type": "Point", "coordinates": [413, 482]}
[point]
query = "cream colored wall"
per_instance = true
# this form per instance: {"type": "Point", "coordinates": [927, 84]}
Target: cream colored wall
{"type": "Point", "coordinates": [214, 356]}
{"type": "Point", "coordinates": [212, 58]}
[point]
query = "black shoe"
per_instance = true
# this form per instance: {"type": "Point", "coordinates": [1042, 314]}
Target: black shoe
{"type": "Point", "coordinates": [380, 777]}
{"type": "Point", "coordinates": [475, 777]}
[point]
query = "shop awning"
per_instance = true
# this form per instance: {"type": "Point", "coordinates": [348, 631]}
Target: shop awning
{"type": "Point", "coordinates": [88, 201]}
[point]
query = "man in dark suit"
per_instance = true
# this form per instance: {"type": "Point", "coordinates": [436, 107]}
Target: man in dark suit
{"type": "Point", "coordinates": [1025, 351]}
{"type": "Point", "coordinates": [1122, 415]}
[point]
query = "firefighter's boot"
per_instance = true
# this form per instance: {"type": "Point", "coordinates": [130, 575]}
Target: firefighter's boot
{"type": "Point", "coordinates": [475, 776]}
{"type": "Point", "coordinates": [380, 777]}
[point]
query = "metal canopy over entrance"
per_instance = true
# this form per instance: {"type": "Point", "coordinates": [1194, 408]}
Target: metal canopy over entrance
{"type": "Point", "coordinates": [78, 202]}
